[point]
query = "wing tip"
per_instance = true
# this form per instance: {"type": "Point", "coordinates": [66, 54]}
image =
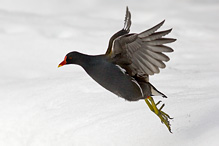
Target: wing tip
{"type": "Point", "coordinates": [169, 30]}
{"type": "Point", "coordinates": [159, 25]}
{"type": "Point", "coordinates": [171, 50]}
{"type": "Point", "coordinates": [172, 40]}
{"type": "Point", "coordinates": [162, 22]}
{"type": "Point", "coordinates": [127, 9]}
{"type": "Point", "coordinates": [128, 22]}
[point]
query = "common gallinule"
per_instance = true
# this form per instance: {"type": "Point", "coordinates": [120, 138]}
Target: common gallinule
{"type": "Point", "coordinates": [129, 60]}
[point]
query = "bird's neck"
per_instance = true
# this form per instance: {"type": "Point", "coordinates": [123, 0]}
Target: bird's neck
{"type": "Point", "coordinates": [82, 59]}
{"type": "Point", "coordinates": [88, 61]}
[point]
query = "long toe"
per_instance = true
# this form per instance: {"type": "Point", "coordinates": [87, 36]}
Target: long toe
{"type": "Point", "coordinates": [158, 102]}
{"type": "Point", "coordinates": [161, 107]}
{"type": "Point", "coordinates": [164, 117]}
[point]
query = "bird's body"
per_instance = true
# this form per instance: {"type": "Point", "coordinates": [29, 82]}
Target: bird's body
{"type": "Point", "coordinates": [129, 60]}
{"type": "Point", "coordinates": [110, 76]}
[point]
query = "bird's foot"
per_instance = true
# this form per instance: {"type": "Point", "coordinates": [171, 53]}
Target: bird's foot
{"type": "Point", "coordinates": [164, 117]}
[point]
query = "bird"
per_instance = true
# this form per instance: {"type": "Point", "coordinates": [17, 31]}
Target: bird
{"type": "Point", "coordinates": [128, 62]}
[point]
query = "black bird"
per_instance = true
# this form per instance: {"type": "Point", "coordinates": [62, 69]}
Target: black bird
{"type": "Point", "coordinates": [129, 60]}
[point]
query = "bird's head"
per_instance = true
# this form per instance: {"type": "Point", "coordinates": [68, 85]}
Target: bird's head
{"type": "Point", "coordinates": [70, 58]}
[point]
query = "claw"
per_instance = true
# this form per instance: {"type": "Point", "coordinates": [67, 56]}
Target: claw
{"type": "Point", "coordinates": [161, 107]}
{"type": "Point", "coordinates": [158, 102]}
{"type": "Point", "coordinates": [166, 115]}
{"type": "Point", "coordinates": [162, 115]}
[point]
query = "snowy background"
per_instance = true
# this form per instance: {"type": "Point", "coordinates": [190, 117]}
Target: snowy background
{"type": "Point", "coordinates": [42, 105]}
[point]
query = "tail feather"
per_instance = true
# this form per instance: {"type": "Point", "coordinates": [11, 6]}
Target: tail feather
{"type": "Point", "coordinates": [155, 92]}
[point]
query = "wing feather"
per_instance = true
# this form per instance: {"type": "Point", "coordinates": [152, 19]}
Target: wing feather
{"type": "Point", "coordinates": [157, 55]}
{"type": "Point", "coordinates": [147, 63]}
{"type": "Point", "coordinates": [153, 61]}
{"type": "Point", "coordinates": [144, 51]}
{"type": "Point", "coordinates": [161, 41]}
{"type": "Point", "coordinates": [142, 67]}
{"type": "Point", "coordinates": [124, 31]}
{"type": "Point", "coordinates": [156, 35]}
{"type": "Point", "coordinates": [151, 30]}
{"type": "Point", "coordinates": [160, 48]}
{"type": "Point", "coordinates": [128, 22]}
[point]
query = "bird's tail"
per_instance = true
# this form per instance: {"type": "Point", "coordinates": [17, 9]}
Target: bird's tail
{"type": "Point", "coordinates": [155, 92]}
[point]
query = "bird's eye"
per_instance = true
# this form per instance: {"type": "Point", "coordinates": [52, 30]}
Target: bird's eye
{"type": "Point", "coordinates": [70, 57]}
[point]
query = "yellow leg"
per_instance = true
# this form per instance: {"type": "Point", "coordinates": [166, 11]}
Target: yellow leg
{"type": "Point", "coordinates": [162, 115]}
{"type": "Point", "coordinates": [149, 105]}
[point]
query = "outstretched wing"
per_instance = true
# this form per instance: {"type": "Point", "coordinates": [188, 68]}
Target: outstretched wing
{"type": "Point", "coordinates": [142, 54]}
{"type": "Point", "coordinates": [124, 31]}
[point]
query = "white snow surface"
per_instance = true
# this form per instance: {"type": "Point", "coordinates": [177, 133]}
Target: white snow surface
{"type": "Point", "coordinates": [42, 105]}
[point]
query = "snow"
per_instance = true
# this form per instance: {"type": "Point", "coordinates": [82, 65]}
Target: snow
{"type": "Point", "coordinates": [41, 104]}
